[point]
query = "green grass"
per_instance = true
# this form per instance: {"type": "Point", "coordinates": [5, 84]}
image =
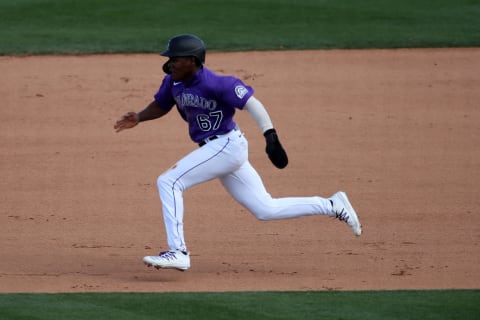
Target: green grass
{"type": "Point", "coordinates": [371, 305]}
{"type": "Point", "coordinates": [105, 26]}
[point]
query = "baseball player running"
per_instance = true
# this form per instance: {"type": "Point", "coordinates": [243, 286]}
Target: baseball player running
{"type": "Point", "coordinates": [207, 102]}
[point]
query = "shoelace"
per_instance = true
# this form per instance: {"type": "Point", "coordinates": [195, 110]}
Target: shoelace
{"type": "Point", "coordinates": [168, 255]}
{"type": "Point", "coordinates": [342, 215]}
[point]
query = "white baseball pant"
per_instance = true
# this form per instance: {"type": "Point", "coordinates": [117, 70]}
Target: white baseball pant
{"type": "Point", "coordinates": [226, 158]}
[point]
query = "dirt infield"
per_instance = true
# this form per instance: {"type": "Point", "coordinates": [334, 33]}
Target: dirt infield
{"type": "Point", "coordinates": [398, 130]}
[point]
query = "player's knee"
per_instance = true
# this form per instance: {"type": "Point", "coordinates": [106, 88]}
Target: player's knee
{"type": "Point", "coordinates": [160, 181]}
{"type": "Point", "coordinates": [163, 182]}
{"type": "Point", "coordinates": [167, 183]}
{"type": "Point", "coordinates": [262, 215]}
{"type": "Point", "coordinates": [262, 209]}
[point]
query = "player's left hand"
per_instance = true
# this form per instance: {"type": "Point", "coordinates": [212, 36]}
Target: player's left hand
{"type": "Point", "coordinates": [274, 149]}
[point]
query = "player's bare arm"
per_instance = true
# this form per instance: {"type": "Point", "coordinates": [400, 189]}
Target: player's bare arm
{"type": "Point", "coordinates": [131, 119]}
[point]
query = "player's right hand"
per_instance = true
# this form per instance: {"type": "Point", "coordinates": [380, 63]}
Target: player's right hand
{"type": "Point", "coordinates": [128, 120]}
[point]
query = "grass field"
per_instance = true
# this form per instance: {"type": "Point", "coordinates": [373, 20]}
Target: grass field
{"type": "Point", "coordinates": [114, 26]}
{"type": "Point", "coordinates": [92, 26]}
{"type": "Point", "coordinates": [386, 305]}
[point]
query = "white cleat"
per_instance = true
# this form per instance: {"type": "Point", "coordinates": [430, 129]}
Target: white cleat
{"type": "Point", "coordinates": [343, 210]}
{"type": "Point", "coordinates": [174, 259]}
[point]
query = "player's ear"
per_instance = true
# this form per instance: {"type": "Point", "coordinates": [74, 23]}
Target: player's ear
{"type": "Point", "coordinates": [197, 62]}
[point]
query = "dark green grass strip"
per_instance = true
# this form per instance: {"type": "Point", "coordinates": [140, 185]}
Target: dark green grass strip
{"type": "Point", "coordinates": [92, 26]}
{"type": "Point", "coordinates": [372, 305]}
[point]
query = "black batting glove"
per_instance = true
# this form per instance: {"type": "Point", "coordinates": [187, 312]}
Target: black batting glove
{"type": "Point", "coordinates": [274, 149]}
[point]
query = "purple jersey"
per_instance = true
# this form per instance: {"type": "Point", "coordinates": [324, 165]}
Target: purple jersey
{"type": "Point", "coordinates": [207, 102]}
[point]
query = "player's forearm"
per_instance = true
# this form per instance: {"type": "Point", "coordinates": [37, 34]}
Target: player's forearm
{"type": "Point", "coordinates": [259, 114]}
{"type": "Point", "coordinates": [152, 111]}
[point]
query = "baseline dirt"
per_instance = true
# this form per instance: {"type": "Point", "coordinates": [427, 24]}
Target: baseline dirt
{"type": "Point", "coordinates": [398, 130]}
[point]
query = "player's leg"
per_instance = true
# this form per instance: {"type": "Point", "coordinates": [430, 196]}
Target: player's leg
{"type": "Point", "coordinates": [246, 186]}
{"type": "Point", "coordinates": [215, 159]}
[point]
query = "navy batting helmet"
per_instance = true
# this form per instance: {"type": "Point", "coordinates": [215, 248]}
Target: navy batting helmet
{"type": "Point", "coordinates": [185, 45]}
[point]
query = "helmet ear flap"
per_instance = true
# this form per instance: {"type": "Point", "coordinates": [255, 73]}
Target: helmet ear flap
{"type": "Point", "coordinates": [166, 68]}
{"type": "Point", "coordinates": [198, 62]}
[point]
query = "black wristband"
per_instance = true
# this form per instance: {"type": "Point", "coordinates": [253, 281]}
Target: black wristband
{"type": "Point", "coordinates": [269, 132]}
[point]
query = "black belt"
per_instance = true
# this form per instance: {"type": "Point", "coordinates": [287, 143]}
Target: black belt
{"type": "Point", "coordinates": [211, 138]}
{"type": "Point", "coordinates": [204, 142]}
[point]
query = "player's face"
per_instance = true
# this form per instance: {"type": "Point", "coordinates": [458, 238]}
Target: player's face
{"type": "Point", "coordinates": [182, 68]}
